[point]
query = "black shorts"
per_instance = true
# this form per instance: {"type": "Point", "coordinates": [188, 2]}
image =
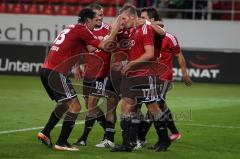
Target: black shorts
{"type": "Point", "coordinates": [143, 89]}
{"type": "Point", "coordinates": [164, 88]}
{"type": "Point", "coordinates": [100, 86]}
{"type": "Point", "coordinates": [57, 85]}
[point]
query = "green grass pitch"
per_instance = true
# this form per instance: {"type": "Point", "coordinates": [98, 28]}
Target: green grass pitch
{"type": "Point", "coordinates": [208, 116]}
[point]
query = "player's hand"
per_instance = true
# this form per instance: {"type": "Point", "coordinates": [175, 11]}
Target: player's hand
{"type": "Point", "coordinates": [117, 66]}
{"type": "Point", "coordinates": [126, 68]}
{"type": "Point", "coordinates": [159, 23]}
{"type": "Point", "coordinates": [117, 24]}
{"type": "Point", "coordinates": [187, 80]}
{"type": "Point", "coordinates": [78, 73]}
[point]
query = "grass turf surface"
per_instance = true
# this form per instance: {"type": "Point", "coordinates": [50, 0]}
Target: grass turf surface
{"type": "Point", "coordinates": [207, 116]}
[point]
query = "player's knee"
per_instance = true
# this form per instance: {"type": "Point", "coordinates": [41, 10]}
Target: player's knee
{"type": "Point", "coordinates": [111, 117]}
{"type": "Point", "coordinates": [74, 105]}
{"type": "Point", "coordinates": [153, 109]}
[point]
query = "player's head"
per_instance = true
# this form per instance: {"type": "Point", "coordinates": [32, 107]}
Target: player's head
{"type": "Point", "coordinates": [98, 9]}
{"type": "Point", "coordinates": [88, 17]}
{"type": "Point", "coordinates": [151, 14]}
{"type": "Point", "coordinates": [128, 15]}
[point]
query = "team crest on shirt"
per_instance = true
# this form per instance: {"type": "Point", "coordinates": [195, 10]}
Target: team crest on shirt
{"type": "Point", "coordinates": [126, 44]}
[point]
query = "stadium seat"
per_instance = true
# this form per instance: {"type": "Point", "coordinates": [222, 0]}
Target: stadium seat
{"type": "Point", "coordinates": [225, 16]}
{"type": "Point", "coordinates": [33, 9]}
{"type": "Point", "coordinates": [72, 1]}
{"type": "Point", "coordinates": [237, 16]}
{"type": "Point", "coordinates": [110, 11]}
{"type": "Point", "coordinates": [86, 1]}
{"type": "Point", "coordinates": [56, 1]}
{"type": "Point", "coordinates": [105, 2]}
{"type": "Point", "coordinates": [4, 8]}
{"type": "Point", "coordinates": [226, 5]}
{"type": "Point", "coordinates": [18, 8]}
{"type": "Point", "coordinates": [41, 1]}
{"type": "Point", "coordinates": [26, 1]}
{"type": "Point", "coordinates": [237, 6]}
{"type": "Point", "coordinates": [118, 2]}
{"type": "Point", "coordinates": [49, 9]}
{"type": "Point", "coordinates": [12, 1]}
{"type": "Point", "coordinates": [77, 9]}
{"type": "Point", "coordinates": [64, 10]}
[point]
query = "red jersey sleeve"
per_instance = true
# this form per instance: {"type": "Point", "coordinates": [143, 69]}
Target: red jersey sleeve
{"type": "Point", "coordinates": [89, 38]}
{"type": "Point", "coordinates": [173, 44]}
{"type": "Point", "coordinates": [148, 35]}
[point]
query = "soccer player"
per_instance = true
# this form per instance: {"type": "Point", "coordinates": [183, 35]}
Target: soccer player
{"type": "Point", "coordinates": [169, 48]}
{"type": "Point", "coordinates": [141, 49]}
{"type": "Point", "coordinates": [97, 83]}
{"type": "Point", "coordinates": [70, 42]}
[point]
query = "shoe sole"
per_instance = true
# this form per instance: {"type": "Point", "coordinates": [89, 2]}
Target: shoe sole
{"type": "Point", "coordinates": [78, 144]}
{"type": "Point", "coordinates": [44, 139]}
{"type": "Point", "coordinates": [60, 148]}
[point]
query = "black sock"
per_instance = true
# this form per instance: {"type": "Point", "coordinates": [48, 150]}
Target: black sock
{"type": "Point", "coordinates": [67, 127]}
{"type": "Point", "coordinates": [144, 126]}
{"type": "Point", "coordinates": [109, 131]}
{"type": "Point", "coordinates": [101, 120]}
{"type": "Point", "coordinates": [161, 128]}
{"type": "Point", "coordinates": [134, 130]}
{"type": "Point", "coordinates": [54, 119]}
{"type": "Point", "coordinates": [89, 122]}
{"type": "Point", "coordinates": [125, 126]}
{"type": "Point", "coordinates": [170, 122]}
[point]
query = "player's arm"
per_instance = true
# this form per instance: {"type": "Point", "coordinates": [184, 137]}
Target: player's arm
{"type": "Point", "coordinates": [158, 29]}
{"type": "Point", "coordinates": [148, 55]}
{"type": "Point", "coordinates": [90, 48]}
{"type": "Point", "coordinates": [114, 31]}
{"type": "Point", "coordinates": [78, 74]}
{"type": "Point", "coordinates": [182, 64]}
{"type": "Point", "coordinates": [156, 26]}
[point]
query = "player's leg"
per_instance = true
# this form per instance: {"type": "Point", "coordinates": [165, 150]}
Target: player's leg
{"type": "Point", "coordinates": [112, 101]}
{"type": "Point", "coordinates": [94, 113]}
{"type": "Point", "coordinates": [144, 127]}
{"type": "Point", "coordinates": [57, 113]}
{"type": "Point", "coordinates": [111, 118]}
{"type": "Point", "coordinates": [160, 125]}
{"type": "Point", "coordinates": [67, 127]}
{"type": "Point", "coordinates": [60, 89]}
{"type": "Point", "coordinates": [129, 118]}
{"type": "Point", "coordinates": [89, 121]}
{"type": "Point", "coordinates": [126, 118]}
{"type": "Point", "coordinates": [167, 112]}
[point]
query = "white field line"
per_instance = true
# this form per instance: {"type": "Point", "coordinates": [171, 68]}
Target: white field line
{"type": "Point", "coordinates": [211, 126]}
{"type": "Point", "coordinates": [78, 123]}
{"type": "Point", "coordinates": [30, 129]}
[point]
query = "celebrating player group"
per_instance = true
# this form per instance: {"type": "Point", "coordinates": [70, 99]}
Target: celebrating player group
{"type": "Point", "coordinates": [127, 62]}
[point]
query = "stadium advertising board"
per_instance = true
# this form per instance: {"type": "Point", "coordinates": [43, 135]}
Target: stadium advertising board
{"type": "Point", "coordinates": [21, 59]}
{"type": "Point", "coordinates": [205, 66]}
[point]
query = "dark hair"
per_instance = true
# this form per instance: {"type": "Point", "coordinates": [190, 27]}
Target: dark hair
{"type": "Point", "coordinates": [95, 6]}
{"type": "Point", "coordinates": [152, 13]}
{"type": "Point", "coordinates": [129, 9]}
{"type": "Point", "coordinates": [84, 14]}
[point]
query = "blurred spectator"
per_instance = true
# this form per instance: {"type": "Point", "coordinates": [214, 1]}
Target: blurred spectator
{"type": "Point", "coordinates": [146, 3]}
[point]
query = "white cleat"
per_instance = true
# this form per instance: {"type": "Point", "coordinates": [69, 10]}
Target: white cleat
{"type": "Point", "coordinates": [140, 145]}
{"type": "Point", "coordinates": [106, 144]}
